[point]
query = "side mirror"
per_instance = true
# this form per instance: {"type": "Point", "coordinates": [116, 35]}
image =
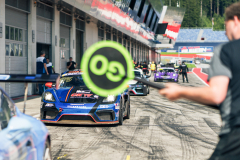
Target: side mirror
{"type": "Point", "coordinates": [17, 125]}
{"type": "Point", "coordinates": [48, 84]}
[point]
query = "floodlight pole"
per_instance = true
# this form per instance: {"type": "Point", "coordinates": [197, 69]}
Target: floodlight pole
{"type": "Point", "coordinates": [25, 97]}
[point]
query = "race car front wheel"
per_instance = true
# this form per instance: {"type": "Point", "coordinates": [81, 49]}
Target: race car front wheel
{"type": "Point", "coordinates": [47, 151]}
{"type": "Point", "coordinates": [120, 118]}
{"type": "Point", "coordinates": [128, 110]}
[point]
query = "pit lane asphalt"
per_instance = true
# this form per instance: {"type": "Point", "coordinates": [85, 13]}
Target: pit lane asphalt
{"type": "Point", "coordinates": [157, 129]}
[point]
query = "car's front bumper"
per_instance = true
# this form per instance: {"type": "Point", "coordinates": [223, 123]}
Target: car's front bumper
{"type": "Point", "coordinates": [61, 113]}
{"type": "Point", "coordinates": [165, 80]}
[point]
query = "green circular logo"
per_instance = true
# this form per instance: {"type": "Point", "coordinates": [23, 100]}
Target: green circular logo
{"type": "Point", "coordinates": [107, 68]}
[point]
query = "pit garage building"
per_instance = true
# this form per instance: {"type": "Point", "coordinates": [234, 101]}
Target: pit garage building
{"type": "Point", "coordinates": [66, 28]}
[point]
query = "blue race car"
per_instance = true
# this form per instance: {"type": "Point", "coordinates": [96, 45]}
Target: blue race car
{"type": "Point", "coordinates": [74, 103]}
{"type": "Point", "coordinates": [21, 136]}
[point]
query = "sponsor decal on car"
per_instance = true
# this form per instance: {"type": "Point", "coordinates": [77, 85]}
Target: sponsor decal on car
{"type": "Point", "coordinates": [117, 105]}
{"type": "Point", "coordinates": [49, 105]}
{"type": "Point", "coordinates": [76, 106]}
{"type": "Point", "coordinates": [74, 71]}
{"type": "Point", "coordinates": [83, 91]}
{"type": "Point", "coordinates": [81, 95]}
{"type": "Point", "coordinates": [103, 106]}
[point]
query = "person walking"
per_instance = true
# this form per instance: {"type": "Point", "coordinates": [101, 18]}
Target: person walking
{"type": "Point", "coordinates": [50, 67]}
{"type": "Point", "coordinates": [183, 70]}
{"type": "Point", "coordinates": [71, 65]}
{"type": "Point", "coordinates": [41, 69]}
{"type": "Point", "coordinates": [153, 67]}
{"type": "Point", "coordinates": [144, 68]}
{"type": "Point", "coordinates": [223, 89]}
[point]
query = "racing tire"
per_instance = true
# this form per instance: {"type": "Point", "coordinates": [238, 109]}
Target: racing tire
{"type": "Point", "coordinates": [47, 151]}
{"type": "Point", "coordinates": [128, 110]}
{"type": "Point", "coordinates": [120, 117]}
{"type": "Point", "coordinates": [148, 90]}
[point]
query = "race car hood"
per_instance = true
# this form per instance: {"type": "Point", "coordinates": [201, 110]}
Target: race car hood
{"type": "Point", "coordinates": [62, 93]}
{"type": "Point", "coordinates": [76, 95]}
{"type": "Point", "coordinates": [171, 74]}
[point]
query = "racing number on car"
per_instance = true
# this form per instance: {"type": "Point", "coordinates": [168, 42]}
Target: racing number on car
{"type": "Point", "coordinates": [107, 68]}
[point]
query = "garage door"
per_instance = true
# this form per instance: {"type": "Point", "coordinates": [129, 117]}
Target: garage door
{"type": "Point", "coordinates": [44, 31]}
{"type": "Point", "coordinates": [16, 48]}
{"type": "Point", "coordinates": [64, 47]}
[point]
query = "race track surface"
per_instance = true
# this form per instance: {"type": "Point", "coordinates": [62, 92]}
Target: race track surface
{"type": "Point", "coordinates": [157, 129]}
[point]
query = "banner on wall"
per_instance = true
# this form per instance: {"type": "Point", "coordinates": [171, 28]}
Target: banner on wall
{"type": "Point", "coordinates": [195, 49]}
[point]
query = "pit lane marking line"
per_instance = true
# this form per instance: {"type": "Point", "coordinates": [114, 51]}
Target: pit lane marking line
{"type": "Point", "coordinates": [200, 78]}
{"type": "Point", "coordinates": [36, 116]}
{"type": "Point", "coordinates": [128, 157]}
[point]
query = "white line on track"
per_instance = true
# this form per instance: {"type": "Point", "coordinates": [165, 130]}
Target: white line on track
{"type": "Point", "coordinates": [200, 78]}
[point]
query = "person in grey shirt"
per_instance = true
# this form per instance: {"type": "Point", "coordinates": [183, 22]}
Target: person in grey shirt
{"type": "Point", "coordinates": [223, 89]}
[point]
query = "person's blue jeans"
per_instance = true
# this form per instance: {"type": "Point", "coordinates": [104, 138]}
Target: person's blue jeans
{"type": "Point", "coordinates": [41, 88]}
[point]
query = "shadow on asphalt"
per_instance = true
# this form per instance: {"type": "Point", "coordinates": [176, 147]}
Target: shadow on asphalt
{"type": "Point", "coordinates": [21, 99]}
{"type": "Point", "coordinates": [82, 125]}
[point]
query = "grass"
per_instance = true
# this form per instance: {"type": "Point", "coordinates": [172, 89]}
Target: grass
{"type": "Point", "coordinates": [190, 65]}
{"type": "Point", "coordinates": [171, 53]}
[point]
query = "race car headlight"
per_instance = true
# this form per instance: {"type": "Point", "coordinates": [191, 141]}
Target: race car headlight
{"type": "Point", "coordinates": [110, 98]}
{"type": "Point", "coordinates": [174, 74]}
{"type": "Point", "coordinates": [49, 97]}
{"type": "Point", "coordinates": [157, 74]}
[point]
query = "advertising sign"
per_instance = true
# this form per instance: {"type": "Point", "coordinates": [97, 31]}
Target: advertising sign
{"type": "Point", "coordinates": [195, 49]}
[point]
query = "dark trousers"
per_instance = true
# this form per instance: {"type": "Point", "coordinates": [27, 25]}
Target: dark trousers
{"type": "Point", "coordinates": [41, 88]}
{"type": "Point", "coordinates": [184, 74]}
{"type": "Point", "coordinates": [145, 71]}
{"type": "Point", "coordinates": [228, 147]}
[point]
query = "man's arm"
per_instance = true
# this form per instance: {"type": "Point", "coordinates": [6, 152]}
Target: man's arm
{"type": "Point", "coordinates": [53, 69]}
{"type": "Point", "coordinates": [45, 67]}
{"type": "Point", "coordinates": [214, 94]}
{"type": "Point", "coordinates": [75, 65]}
{"type": "Point", "coordinates": [69, 65]}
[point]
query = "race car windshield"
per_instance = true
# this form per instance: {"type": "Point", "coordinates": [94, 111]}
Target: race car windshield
{"type": "Point", "coordinates": [137, 74]}
{"type": "Point", "coordinates": [7, 110]}
{"type": "Point", "coordinates": [168, 70]}
{"type": "Point", "coordinates": [71, 81]}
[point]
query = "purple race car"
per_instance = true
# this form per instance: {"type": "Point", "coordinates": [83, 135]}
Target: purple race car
{"type": "Point", "coordinates": [166, 74]}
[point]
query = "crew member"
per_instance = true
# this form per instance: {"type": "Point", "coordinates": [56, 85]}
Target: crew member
{"type": "Point", "coordinates": [71, 65]}
{"type": "Point", "coordinates": [223, 89]}
{"type": "Point", "coordinates": [144, 68]}
{"type": "Point", "coordinates": [135, 64]}
{"type": "Point", "coordinates": [153, 67]}
{"type": "Point", "coordinates": [183, 70]}
{"type": "Point", "coordinates": [50, 67]}
{"type": "Point", "coordinates": [41, 69]}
